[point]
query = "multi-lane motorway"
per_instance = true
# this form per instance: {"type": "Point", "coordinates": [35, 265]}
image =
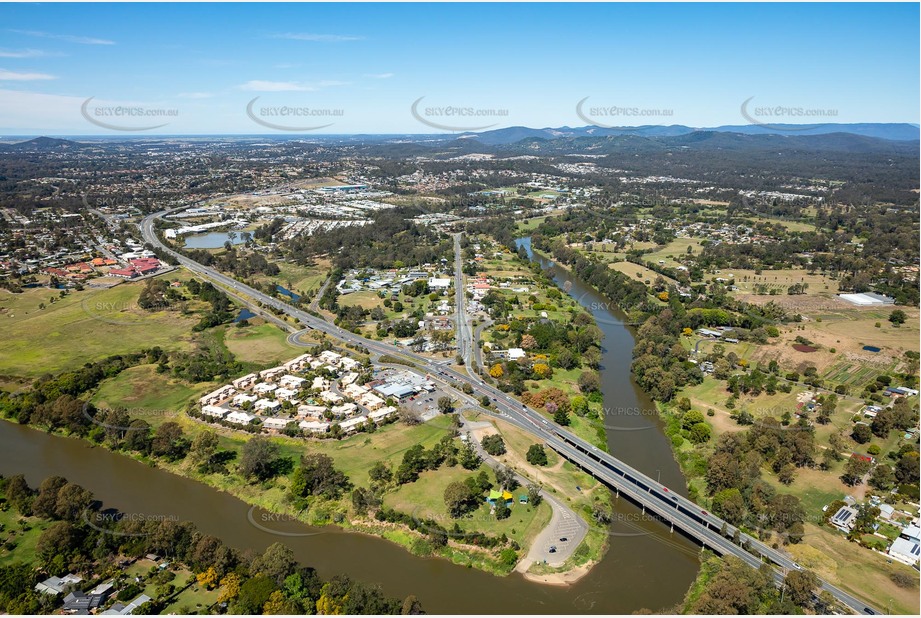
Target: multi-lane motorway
{"type": "Point", "coordinates": [633, 484]}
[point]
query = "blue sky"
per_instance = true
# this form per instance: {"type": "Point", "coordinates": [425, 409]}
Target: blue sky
{"type": "Point", "coordinates": [366, 64]}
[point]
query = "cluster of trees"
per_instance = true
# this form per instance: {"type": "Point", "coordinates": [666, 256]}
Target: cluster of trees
{"type": "Point", "coordinates": [82, 540]}
{"type": "Point", "coordinates": [729, 586]}
{"type": "Point", "coordinates": [551, 344]}
{"type": "Point", "coordinates": [242, 264]}
{"type": "Point", "coordinates": [739, 494]}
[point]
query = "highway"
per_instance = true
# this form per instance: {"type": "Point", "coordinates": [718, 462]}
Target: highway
{"type": "Point", "coordinates": [463, 336]}
{"type": "Point", "coordinates": [636, 486]}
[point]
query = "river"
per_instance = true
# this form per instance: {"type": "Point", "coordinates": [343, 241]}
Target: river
{"type": "Point", "coordinates": [646, 566]}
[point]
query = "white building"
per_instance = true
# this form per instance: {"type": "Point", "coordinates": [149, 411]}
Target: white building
{"type": "Point", "coordinates": [438, 283]}
{"type": "Point", "coordinates": [270, 374]}
{"type": "Point", "coordinates": [222, 394]}
{"type": "Point", "coordinates": [308, 410]}
{"type": "Point", "coordinates": [266, 405]}
{"type": "Point", "coordinates": [214, 411]}
{"type": "Point", "coordinates": [275, 423]}
{"type": "Point", "coordinates": [384, 413]}
{"type": "Point", "coordinates": [314, 426]}
{"type": "Point", "coordinates": [264, 387]}
{"type": "Point", "coordinates": [330, 397]}
{"type": "Point", "coordinates": [906, 548]}
{"type": "Point", "coordinates": [346, 409]}
{"type": "Point", "coordinates": [352, 424]}
{"type": "Point", "coordinates": [245, 382]}
{"type": "Point", "coordinates": [319, 383]}
{"type": "Point", "coordinates": [242, 398]}
{"type": "Point", "coordinates": [241, 418]}
{"type": "Point", "coordinates": [285, 394]}
{"type": "Point", "coordinates": [516, 354]}
{"type": "Point", "coordinates": [290, 381]}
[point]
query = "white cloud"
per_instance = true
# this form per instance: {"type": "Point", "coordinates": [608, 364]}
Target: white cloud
{"type": "Point", "coordinates": [69, 38]}
{"type": "Point", "coordinates": [259, 85]}
{"type": "Point", "coordinates": [379, 75]}
{"type": "Point", "coordinates": [320, 38]}
{"type": "Point", "coordinates": [24, 53]}
{"type": "Point", "coordinates": [30, 110]}
{"type": "Point", "coordinates": [13, 76]}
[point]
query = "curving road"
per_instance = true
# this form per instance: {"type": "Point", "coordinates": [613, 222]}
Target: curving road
{"type": "Point", "coordinates": [670, 506]}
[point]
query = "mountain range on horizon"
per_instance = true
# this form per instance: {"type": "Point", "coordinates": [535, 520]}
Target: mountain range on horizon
{"type": "Point", "coordinates": [888, 131]}
{"type": "Point", "coordinates": [830, 136]}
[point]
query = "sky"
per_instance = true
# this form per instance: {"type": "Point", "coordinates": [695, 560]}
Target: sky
{"type": "Point", "coordinates": [120, 69]}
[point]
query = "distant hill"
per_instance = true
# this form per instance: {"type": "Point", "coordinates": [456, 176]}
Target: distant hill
{"type": "Point", "coordinates": [43, 144]}
{"type": "Point", "coordinates": [709, 141]}
{"type": "Point", "coordinates": [511, 135]}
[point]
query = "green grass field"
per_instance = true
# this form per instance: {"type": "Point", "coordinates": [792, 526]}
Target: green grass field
{"type": "Point", "coordinates": [18, 536]}
{"type": "Point", "coordinates": [147, 394]}
{"type": "Point", "coordinates": [425, 499]}
{"type": "Point", "coordinates": [260, 344]}
{"type": "Point", "coordinates": [82, 327]}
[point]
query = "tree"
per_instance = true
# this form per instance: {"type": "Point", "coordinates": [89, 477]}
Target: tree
{"type": "Point", "coordinates": [253, 595]}
{"type": "Point", "coordinates": [19, 494]}
{"type": "Point", "coordinates": [169, 442]}
{"type": "Point", "coordinates": [277, 563]}
{"type": "Point", "coordinates": [208, 578]}
{"type": "Point", "coordinates": [230, 587]}
{"type": "Point", "coordinates": [506, 478]}
{"type": "Point", "coordinates": [278, 605]}
{"type": "Point", "coordinates": [730, 505]}
{"type": "Point", "coordinates": [259, 459]}
{"type": "Point", "coordinates": [72, 502]}
{"type": "Point", "coordinates": [589, 381]}
{"type": "Point", "coordinates": [494, 445]}
{"type": "Point", "coordinates": [561, 417]}
{"type": "Point", "coordinates": [496, 371]}
{"type": "Point", "coordinates": [445, 405]}
{"type": "Point", "coordinates": [536, 455]}
{"type": "Point", "coordinates": [468, 457]}
{"type": "Point", "coordinates": [138, 437]}
{"type": "Point", "coordinates": [317, 476]}
{"type": "Point", "coordinates": [60, 538]}
{"type": "Point", "coordinates": [861, 433]}
{"type": "Point", "coordinates": [502, 509]}
{"type": "Point", "coordinates": [542, 370]}
{"type": "Point", "coordinates": [459, 499]}
{"type": "Point", "coordinates": [380, 473]}
{"type": "Point", "coordinates": [691, 418]}
{"type": "Point", "coordinates": [411, 606]}
{"type": "Point", "coordinates": [534, 496]}
{"type": "Point", "coordinates": [699, 433]}
{"type": "Point", "coordinates": [897, 317]}
{"type": "Point", "coordinates": [854, 471]}
{"type": "Point", "coordinates": [46, 501]}
{"type": "Point", "coordinates": [801, 586]}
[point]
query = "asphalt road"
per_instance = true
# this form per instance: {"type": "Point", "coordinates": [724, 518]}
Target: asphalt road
{"type": "Point", "coordinates": [673, 507]}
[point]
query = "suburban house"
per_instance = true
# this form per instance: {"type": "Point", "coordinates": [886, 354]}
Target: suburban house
{"type": "Point", "coordinates": [844, 519]}
{"type": "Point", "coordinates": [906, 548]}
{"type": "Point", "coordinates": [57, 585]}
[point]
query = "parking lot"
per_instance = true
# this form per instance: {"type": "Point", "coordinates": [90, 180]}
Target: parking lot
{"type": "Point", "coordinates": [426, 404]}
